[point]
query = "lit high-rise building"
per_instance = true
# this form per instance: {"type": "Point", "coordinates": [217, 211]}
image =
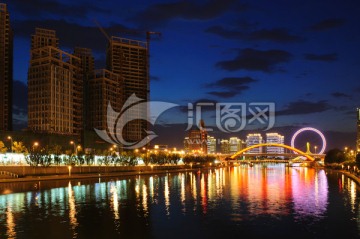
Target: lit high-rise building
{"type": "Point", "coordinates": [6, 69]}
{"type": "Point", "coordinates": [211, 145]}
{"type": "Point", "coordinates": [274, 138]}
{"type": "Point", "coordinates": [225, 146]}
{"type": "Point", "coordinates": [358, 130]}
{"type": "Point", "coordinates": [254, 139]}
{"type": "Point", "coordinates": [235, 145]}
{"type": "Point", "coordinates": [129, 59]}
{"type": "Point", "coordinates": [55, 87]}
{"type": "Point", "coordinates": [197, 141]}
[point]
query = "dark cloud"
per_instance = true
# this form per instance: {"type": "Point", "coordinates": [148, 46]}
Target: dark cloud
{"type": "Point", "coordinates": [328, 24]}
{"type": "Point", "coordinates": [225, 33]}
{"type": "Point", "coordinates": [280, 35]}
{"type": "Point", "coordinates": [158, 14]}
{"type": "Point", "coordinates": [341, 95]}
{"type": "Point", "coordinates": [71, 34]}
{"type": "Point", "coordinates": [325, 57]}
{"type": "Point", "coordinates": [232, 83]}
{"type": "Point", "coordinates": [20, 104]}
{"type": "Point", "coordinates": [154, 78]}
{"type": "Point", "coordinates": [255, 60]}
{"type": "Point", "coordinates": [44, 8]}
{"type": "Point", "coordinates": [224, 94]}
{"type": "Point", "coordinates": [304, 107]}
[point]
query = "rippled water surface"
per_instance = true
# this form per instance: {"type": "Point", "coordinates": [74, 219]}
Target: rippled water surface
{"type": "Point", "coordinates": [264, 201]}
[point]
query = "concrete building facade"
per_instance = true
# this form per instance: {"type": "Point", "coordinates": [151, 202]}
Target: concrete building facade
{"type": "Point", "coordinates": [6, 69]}
{"type": "Point", "coordinates": [55, 87]}
{"type": "Point", "coordinates": [129, 59]}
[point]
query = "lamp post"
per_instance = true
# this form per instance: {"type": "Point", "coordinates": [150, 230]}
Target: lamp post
{"type": "Point", "coordinates": [315, 149]}
{"type": "Point", "coordinates": [35, 145]}
{"type": "Point", "coordinates": [73, 143]}
{"type": "Point", "coordinates": [11, 141]}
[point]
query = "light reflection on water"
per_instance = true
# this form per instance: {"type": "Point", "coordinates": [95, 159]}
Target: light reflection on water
{"type": "Point", "coordinates": [237, 198]}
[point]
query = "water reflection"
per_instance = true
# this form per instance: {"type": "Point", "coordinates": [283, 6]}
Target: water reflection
{"type": "Point", "coordinates": [234, 194]}
{"type": "Point", "coordinates": [114, 201]}
{"type": "Point", "coordinates": [72, 210]}
{"type": "Point", "coordinates": [11, 233]}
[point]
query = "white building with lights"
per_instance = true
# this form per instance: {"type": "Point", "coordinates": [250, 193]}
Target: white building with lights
{"type": "Point", "coordinates": [274, 138]}
{"type": "Point", "coordinates": [254, 139]}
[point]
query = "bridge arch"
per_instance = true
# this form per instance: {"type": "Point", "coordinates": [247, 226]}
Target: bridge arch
{"type": "Point", "coordinates": [275, 145]}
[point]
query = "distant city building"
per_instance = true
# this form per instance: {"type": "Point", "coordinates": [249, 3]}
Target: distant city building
{"type": "Point", "coordinates": [274, 138]}
{"type": "Point", "coordinates": [197, 140]}
{"type": "Point", "coordinates": [129, 59]}
{"type": "Point", "coordinates": [6, 69]}
{"type": "Point", "coordinates": [55, 87]}
{"type": "Point", "coordinates": [358, 130]}
{"type": "Point", "coordinates": [235, 145]}
{"type": "Point", "coordinates": [225, 146]}
{"type": "Point", "coordinates": [186, 144]}
{"type": "Point", "coordinates": [211, 145]}
{"type": "Point", "coordinates": [104, 88]}
{"type": "Point", "coordinates": [254, 139]}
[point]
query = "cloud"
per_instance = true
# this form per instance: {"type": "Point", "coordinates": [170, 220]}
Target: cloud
{"type": "Point", "coordinates": [327, 24]}
{"type": "Point", "coordinates": [325, 57]}
{"type": "Point", "coordinates": [154, 78]}
{"type": "Point", "coordinates": [224, 94]}
{"type": "Point", "coordinates": [50, 8]}
{"type": "Point", "coordinates": [160, 13]}
{"type": "Point", "coordinates": [279, 35]}
{"type": "Point", "coordinates": [232, 85]}
{"type": "Point", "coordinates": [304, 107]}
{"type": "Point", "coordinates": [341, 95]}
{"type": "Point", "coordinates": [255, 60]}
{"type": "Point", "coordinates": [72, 34]}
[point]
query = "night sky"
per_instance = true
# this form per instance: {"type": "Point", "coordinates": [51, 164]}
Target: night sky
{"type": "Point", "coordinates": [301, 55]}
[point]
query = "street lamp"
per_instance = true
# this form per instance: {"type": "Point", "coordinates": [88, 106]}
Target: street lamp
{"type": "Point", "coordinates": [35, 145]}
{"type": "Point", "coordinates": [73, 143]}
{"type": "Point", "coordinates": [11, 141]}
{"type": "Point", "coordinates": [315, 149]}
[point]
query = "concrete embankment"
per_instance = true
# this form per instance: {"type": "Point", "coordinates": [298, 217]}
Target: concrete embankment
{"type": "Point", "coordinates": [27, 173]}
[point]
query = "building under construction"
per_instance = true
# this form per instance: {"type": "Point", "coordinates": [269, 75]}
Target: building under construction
{"type": "Point", "coordinates": [6, 69]}
{"type": "Point", "coordinates": [129, 59]}
{"type": "Point", "coordinates": [54, 87]}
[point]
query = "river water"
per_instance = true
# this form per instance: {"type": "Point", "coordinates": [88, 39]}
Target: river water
{"type": "Point", "coordinates": [263, 201]}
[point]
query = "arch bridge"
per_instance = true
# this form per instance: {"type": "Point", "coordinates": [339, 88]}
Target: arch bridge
{"type": "Point", "coordinates": [242, 152]}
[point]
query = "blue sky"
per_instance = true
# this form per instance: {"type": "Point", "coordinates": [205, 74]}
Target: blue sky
{"type": "Point", "coordinates": [301, 55]}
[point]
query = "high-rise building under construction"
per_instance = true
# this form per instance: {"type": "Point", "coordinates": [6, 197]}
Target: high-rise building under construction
{"type": "Point", "coordinates": [6, 69]}
{"type": "Point", "coordinates": [129, 59]}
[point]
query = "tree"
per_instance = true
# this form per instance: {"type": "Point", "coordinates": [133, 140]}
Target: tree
{"type": "Point", "coordinates": [335, 156]}
{"type": "Point", "coordinates": [18, 147]}
{"type": "Point", "coordinates": [56, 150]}
{"type": "Point", "coordinates": [89, 158]}
{"type": "Point", "coordinates": [3, 149]}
